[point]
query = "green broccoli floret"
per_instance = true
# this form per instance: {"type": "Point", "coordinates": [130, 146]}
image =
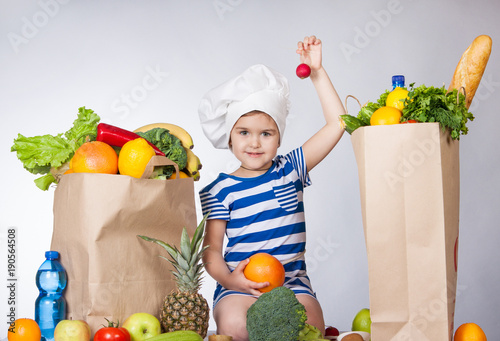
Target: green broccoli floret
{"type": "Point", "coordinates": [310, 333]}
{"type": "Point", "coordinates": [168, 144]}
{"type": "Point", "coordinates": [276, 315]}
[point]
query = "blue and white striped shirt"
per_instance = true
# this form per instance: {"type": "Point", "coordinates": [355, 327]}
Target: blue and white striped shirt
{"type": "Point", "coordinates": [263, 214]}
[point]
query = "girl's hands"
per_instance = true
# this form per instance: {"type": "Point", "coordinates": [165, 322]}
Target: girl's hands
{"type": "Point", "coordinates": [237, 281]}
{"type": "Point", "coordinates": [216, 266]}
{"type": "Point", "coordinates": [310, 52]}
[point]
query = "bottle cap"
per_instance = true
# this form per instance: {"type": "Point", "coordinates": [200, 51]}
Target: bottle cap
{"type": "Point", "coordinates": [398, 79]}
{"type": "Point", "coordinates": [51, 254]}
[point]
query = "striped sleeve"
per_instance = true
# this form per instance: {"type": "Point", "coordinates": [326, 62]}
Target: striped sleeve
{"type": "Point", "coordinates": [297, 159]}
{"type": "Point", "coordinates": [209, 203]}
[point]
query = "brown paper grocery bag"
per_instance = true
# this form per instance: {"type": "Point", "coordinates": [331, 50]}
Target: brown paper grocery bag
{"type": "Point", "coordinates": [409, 183]}
{"type": "Point", "coordinates": [111, 272]}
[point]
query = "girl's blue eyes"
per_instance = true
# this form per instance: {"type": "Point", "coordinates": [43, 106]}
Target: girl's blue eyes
{"type": "Point", "coordinates": [264, 133]}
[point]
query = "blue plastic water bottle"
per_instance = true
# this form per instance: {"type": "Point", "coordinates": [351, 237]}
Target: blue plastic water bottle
{"type": "Point", "coordinates": [398, 81]}
{"type": "Point", "coordinates": [50, 306]}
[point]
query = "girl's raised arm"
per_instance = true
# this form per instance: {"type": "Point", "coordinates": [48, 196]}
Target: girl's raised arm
{"type": "Point", "coordinates": [321, 144]}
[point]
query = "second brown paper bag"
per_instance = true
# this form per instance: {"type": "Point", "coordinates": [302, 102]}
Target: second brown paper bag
{"type": "Point", "coordinates": [409, 184]}
{"type": "Point", "coordinates": [111, 272]}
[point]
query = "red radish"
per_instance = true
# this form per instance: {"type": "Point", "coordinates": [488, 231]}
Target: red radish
{"type": "Point", "coordinates": [331, 331]}
{"type": "Point", "coordinates": [303, 71]}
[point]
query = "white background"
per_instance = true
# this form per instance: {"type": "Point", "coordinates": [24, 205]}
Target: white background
{"type": "Point", "coordinates": [59, 55]}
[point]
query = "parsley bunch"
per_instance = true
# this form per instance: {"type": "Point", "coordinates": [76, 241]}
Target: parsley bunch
{"type": "Point", "coordinates": [430, 104]}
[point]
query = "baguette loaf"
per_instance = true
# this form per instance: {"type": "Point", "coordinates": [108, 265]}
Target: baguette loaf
{"type": "Point", "coordinates": [220, 338]}
{"type": "Point", "coordinates": [471, 67]}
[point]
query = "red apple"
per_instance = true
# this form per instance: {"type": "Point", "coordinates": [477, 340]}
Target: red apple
{"type": "Point", "coordinates": [331, 331]}
{"type": "Point", "coordinates": [72, 330]}
{"type": "Point", "coordinates": [303, 71]}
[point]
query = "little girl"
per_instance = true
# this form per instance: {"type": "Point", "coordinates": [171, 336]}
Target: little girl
{"type": "Point", "coordinates": [259, 206]}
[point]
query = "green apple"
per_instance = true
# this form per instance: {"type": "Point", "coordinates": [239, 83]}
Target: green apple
{"type": "Point", "coordinates": [362, 321]}
{"type": "Point", "coordinates": [72, 330]}
{"type": "Point", "coordinates": [142, 326]}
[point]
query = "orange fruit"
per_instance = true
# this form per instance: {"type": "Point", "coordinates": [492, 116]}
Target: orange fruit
{"type": "Point", "coordinates": [265, 268]}
{"type": "Point", "coordinates": [134, 156]}
{"type": "Point", "coordinates": [182, 175]}
{"type": "Point", "coordinates": [69, 171]}
{"type": "Point", "coordinates": [469, 332]}
{"type": "Point", "coordinates": [24, 329]}
{"type": "Point", "coordinates": [94, 157]}
{"type": "Point", "coordinates": [385, 115]}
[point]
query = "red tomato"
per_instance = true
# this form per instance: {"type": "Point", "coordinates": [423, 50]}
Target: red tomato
{"type": "Point", "coordinates": [409, 121]}
{"type": "Point", "coordinates": [112, 333]}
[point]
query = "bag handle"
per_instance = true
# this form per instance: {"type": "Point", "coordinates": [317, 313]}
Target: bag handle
{"type": "Point", "coordinates": [458, 94]}
{"type": "Point", "coordinates": [158, 160]}
{"type": "Point", "coordinates": [345, 102]}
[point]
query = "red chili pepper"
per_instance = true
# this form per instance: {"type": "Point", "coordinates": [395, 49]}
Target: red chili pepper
{"type": "Point", "coordinates": [117, 137]}
{"type": "Point", "coordinates": [409, 121]}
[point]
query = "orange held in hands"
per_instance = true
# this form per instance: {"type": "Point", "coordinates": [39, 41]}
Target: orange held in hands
{"type": "Point", "coordinates": [469, 332]}
{"type": "Point", "coordinates": [94, 157]}
{"type": "Point", "coordinates": [24, 329]}
{"type": "Point", "coordinates": [265, 268]}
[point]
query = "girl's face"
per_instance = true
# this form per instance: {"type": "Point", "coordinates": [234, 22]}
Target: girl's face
{"type": "Point", "coordinates": [255, 140]}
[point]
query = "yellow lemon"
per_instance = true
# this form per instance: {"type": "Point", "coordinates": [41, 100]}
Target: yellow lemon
{"type": "Point", "coordinates": [134, 156]}
{"type": "Point", "coordinates": [396, 98]}
{"type": "Point", "coordinates": [385, 115]}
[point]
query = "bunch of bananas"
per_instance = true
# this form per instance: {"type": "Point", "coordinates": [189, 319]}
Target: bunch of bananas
{"type": "Point", "coordinates": [193, 164]}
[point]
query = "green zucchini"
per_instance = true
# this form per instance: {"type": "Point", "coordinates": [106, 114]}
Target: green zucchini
{"type": "Point", "coordinates": [179, 335]}
{"type": "Point", "coordinates": [351, 123]}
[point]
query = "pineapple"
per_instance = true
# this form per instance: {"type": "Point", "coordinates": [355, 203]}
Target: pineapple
{"type": "Point", "coordinates": [185, 308]}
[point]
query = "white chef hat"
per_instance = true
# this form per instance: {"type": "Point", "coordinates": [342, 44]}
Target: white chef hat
{"type": "Point", "coordinates": [257, 88]}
